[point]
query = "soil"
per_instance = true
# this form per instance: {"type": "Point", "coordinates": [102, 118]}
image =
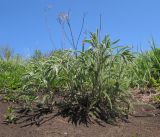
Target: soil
{"type": "Point", "coordinates": [144, 122]}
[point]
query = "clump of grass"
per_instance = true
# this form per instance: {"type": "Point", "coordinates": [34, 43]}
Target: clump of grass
{"type": "Point", "coordinates": [97, 82]}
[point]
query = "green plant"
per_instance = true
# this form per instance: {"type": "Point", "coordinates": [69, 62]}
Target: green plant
{"type": "Point", "coordinates": [146, 68]}
{"type": "Point", "coordinates": [140, 70]}
{"type": "Point", "coordinates": [10, 75]}
{"type": "Point", "coordinates": [10, 115]}
{"type": "Point", "coordinates": [97, 81]}
{"type": "Point", "coordinates": [43, 79]}
{"type": "Point", "coordinates": [157, 99]}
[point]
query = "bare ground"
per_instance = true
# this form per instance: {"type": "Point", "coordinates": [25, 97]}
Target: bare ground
{"type": "Point", "coordinates": [143, 123]}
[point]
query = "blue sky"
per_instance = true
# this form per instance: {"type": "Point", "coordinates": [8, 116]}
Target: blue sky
{"type": "Point", "coordinates": [23, 26]}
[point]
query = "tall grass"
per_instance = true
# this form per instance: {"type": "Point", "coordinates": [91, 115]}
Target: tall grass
{"type": "Point", "coordinates": [146, 68]}
{"type": "Point", "coordinates": [93, 83]}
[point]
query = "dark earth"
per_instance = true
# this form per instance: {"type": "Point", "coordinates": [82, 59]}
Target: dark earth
{"type": "Point", "coordinates": [144, 122]}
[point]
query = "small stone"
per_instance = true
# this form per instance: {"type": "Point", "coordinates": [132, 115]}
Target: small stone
{"type": "Point", "coordinates": [65, 133]}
